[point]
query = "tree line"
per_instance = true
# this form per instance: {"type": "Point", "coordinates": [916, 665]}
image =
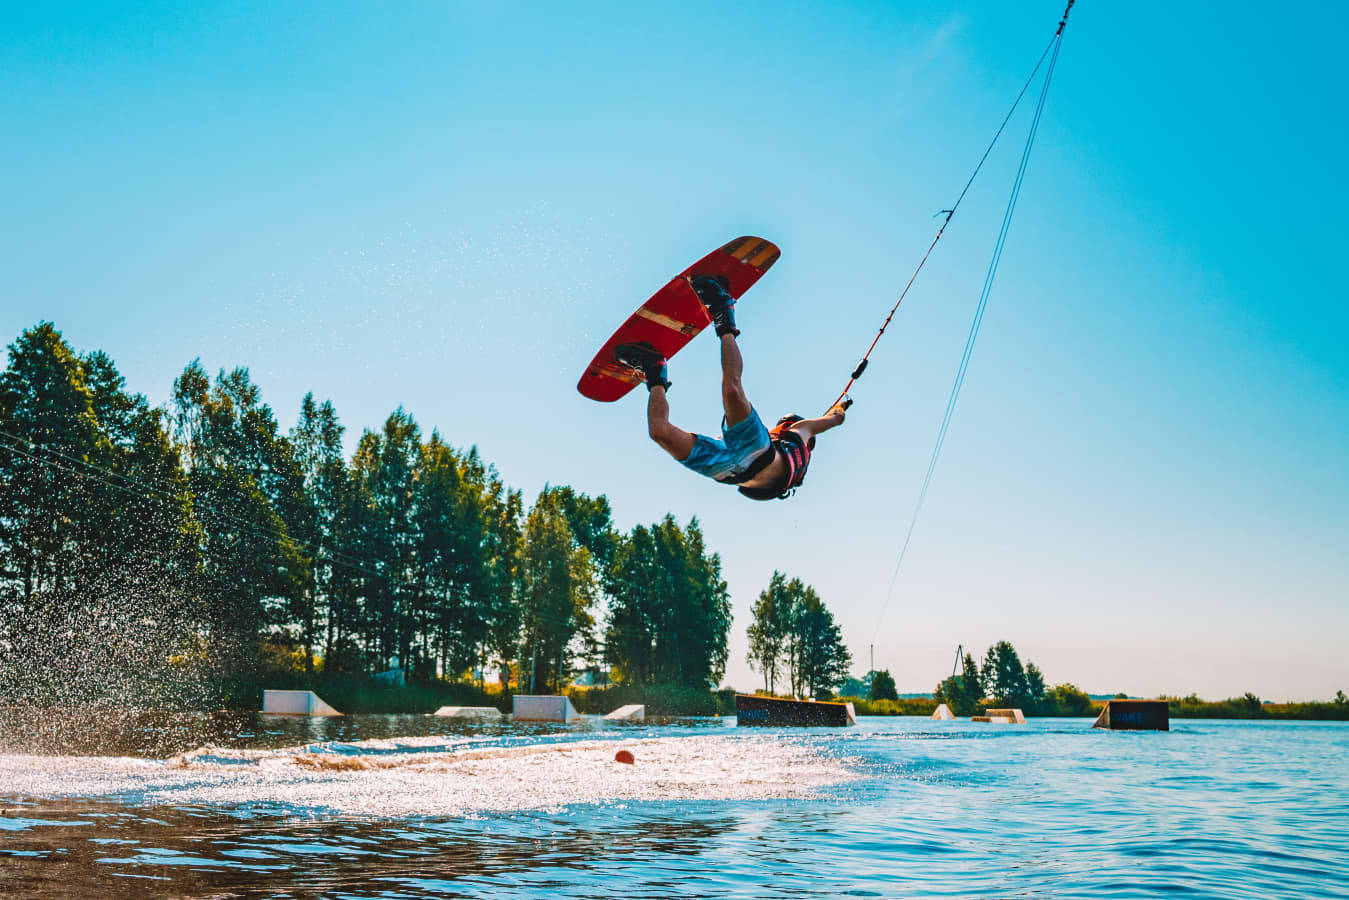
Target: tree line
{"type": "Point", "coordinates": [1001, 680]}
{"type": "Point", "coordinates": [793, 636]}
{"type": "Point", "coordinates": [179, 551]}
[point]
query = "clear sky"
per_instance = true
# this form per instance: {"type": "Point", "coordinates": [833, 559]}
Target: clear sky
{"type": "Point", "coordinates": [448, 206]}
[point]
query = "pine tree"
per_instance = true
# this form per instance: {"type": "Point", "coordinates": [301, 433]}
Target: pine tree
{"type": "Point", "coordinates": [317, 442]}
{"type": "Point", "coordinates": [635, 612]}
{"type": "Point", "coordinates": [670, 612]}
{"type": "Point", "coordinates": [555, 595]}
{"type": "Point", "coordinates": [239, 471]}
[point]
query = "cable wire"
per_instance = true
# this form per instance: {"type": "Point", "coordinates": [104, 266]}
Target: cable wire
{"type": "Point", "coordinates": [984, 293]}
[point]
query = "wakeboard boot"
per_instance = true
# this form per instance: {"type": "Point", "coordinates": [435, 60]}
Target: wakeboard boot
{"type": "Point", "coordinates": [647, 360]}
{"type": "Point", "coordinates": [712, 290]}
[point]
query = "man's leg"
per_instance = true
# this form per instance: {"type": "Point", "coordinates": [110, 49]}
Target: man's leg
{"type": "Point", "coordinates": [734, 401]}
{"type": "Point", "coordinates": [676, 441]}
{"type": "Point", "coordinates": [711, 290]}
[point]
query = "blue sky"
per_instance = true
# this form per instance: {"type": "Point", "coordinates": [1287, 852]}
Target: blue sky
{"type": "Point", "coordinates": [449, 206]}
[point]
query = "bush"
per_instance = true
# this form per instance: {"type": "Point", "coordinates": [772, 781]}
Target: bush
{"type": "Point", "coordinates": [903, 706]}
{"type": "Point", "coordinates": [1065, 700]}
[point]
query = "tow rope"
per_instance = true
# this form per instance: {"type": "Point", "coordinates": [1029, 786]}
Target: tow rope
{"type": "Point", "coordinates": [1053, 47]}
{"type": "Point", "coordinates": [1051, 52]}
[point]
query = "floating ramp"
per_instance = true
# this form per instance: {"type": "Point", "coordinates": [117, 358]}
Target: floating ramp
{"type": "Point", "coordinates": [756, 709]}
{"type": "Point", "coordinates": [633, 712]}
{"type": "Point", "coordinates": [944, 713]}
{"type": "Point", "coordinates": [468, 712]}
{"type": "Point", "coordinates": [295, 703]}
{"type": "Point", "coordinates": [1001, 717]}
{"type": "Point", "coordinates": [1135, 715]}
{"type": "Point", "coordinates": [543, 708]}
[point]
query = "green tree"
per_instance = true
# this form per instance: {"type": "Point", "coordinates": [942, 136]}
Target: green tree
{"type": "Point", "coordinates": [51, 433]}
{"type": "Point", "coordinates": [142, 564]}
{"type": "Point", "coordinates": [239, 471]}
{"type": "Point", "coordinates": [635, 608]}
{"type": "Point", "coordinates": [1003, 677]}
{"type": "Point", "coordinates": [963, 693]}
{"type": "Point", "coordinates": [590, 521]}
{"type": "Point", "coordinates": [856, 687]}
{"type": "Point", "coordinates": [793, 629]}
{"type": "Point", "coordinates": [1067, 699]}
{"type": "Point", "coordinates": [450, 525]}
{"type": "Point", "coordinates": [669, 612]}
{"type": "Point", "coordinates": [822, 657]}
{"type": "Point", "coordinates": [503, 586]}
{"type": "Point", "coordinates": [96, 532]}
{"type": "Point", "coordinates": [384, 471]}
{"type": "Point", "coordinates": [1035, 682]}
{"type": "Point", "coordinates": [558, 579]}
{"type": "Point", "coordinates": [316, 442]}
{"type": "Point", "coordinates": [770, 628]}
{"type": "Point", "coordinates": [702, 613]}
{"type": "Point", "coordinates": [883, 686]}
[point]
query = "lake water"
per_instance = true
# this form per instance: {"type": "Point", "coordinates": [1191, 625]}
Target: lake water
{"type": "Point", "coordinates": [412, 806]}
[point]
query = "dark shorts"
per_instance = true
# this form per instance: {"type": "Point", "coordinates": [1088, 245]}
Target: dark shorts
{"type": "Point", "coordinates": [739, 446]}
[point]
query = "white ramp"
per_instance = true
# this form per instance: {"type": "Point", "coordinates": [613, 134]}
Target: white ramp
{"type": "Point", "coordinates": [633, 712]}
{"type": "Point", "coordinates": [943, 712]}
{"type": "Point", "coordinates": [296, 703]}
{"type": "Point", "coordinates": [543, 708]}
{"type": "Point", "coordinates": [468, 712]}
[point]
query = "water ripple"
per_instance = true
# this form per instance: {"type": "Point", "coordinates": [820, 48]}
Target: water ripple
{"type": "Point", "coordinates": [893, 808]}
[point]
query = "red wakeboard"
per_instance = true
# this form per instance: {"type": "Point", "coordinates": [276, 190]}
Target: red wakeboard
{"type": "Point", "coordinates": [674, 315]}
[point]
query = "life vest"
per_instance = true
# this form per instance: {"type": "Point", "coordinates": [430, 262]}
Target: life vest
{"type": "Point", "coordinates": [795, 450]}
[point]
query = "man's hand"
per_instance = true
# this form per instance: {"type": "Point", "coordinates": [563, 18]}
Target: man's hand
{"type": "Point", "coordinates": [839, 411]}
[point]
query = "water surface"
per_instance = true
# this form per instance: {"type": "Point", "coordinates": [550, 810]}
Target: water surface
{"type": "Point", "coordinates": [410, 806]}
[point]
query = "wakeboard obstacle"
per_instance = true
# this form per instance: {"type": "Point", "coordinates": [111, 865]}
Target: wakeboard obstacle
{"type": "Point", "coordinates": [633, 712]}
{"type": "Point", "coordinates": [468, 712]}
{"type": "Point", "coordinates": [542, 708]}
{"type": "Point", "coordinates": [1135, 715]}
{"type": "Point", "coordinates": [295, 703]}
{"type": "Point", "coordinates": [758, 710]}
{"type": "Point", "coordinates": [674, 315]}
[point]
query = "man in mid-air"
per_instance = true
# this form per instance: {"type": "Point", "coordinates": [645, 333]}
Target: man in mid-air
{"type": "Point", "coordinates": [763, 463]}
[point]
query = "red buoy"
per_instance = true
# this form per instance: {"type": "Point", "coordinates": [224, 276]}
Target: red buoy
{"type": "Point", "coordinates": [624, 756]}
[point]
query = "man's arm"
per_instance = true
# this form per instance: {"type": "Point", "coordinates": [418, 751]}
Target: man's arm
{"type": "Point", "coordinates": [811, 427]}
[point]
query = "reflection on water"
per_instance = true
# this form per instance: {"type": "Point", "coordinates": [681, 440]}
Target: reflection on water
{"type": "Point", "coordinates": [399, 806]}
{"type": "Point", "coordinates": [86, 848]}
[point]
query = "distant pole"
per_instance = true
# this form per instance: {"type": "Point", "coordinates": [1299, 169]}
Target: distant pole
{"type": "Point", "coordinates": [873, 657]}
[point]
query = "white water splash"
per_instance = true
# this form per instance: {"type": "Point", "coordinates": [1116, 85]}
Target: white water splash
{"type": "Point", "coordinates": [435, 777]}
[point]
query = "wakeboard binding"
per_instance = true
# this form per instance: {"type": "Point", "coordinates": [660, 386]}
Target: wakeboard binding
{"type": "Point", "coordinates": [647, 360]}
{"type": "Point", "coordinates": [712, 291]}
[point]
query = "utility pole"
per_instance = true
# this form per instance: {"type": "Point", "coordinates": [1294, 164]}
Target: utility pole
{"type": "Point", "coordinates": [873, 657]}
